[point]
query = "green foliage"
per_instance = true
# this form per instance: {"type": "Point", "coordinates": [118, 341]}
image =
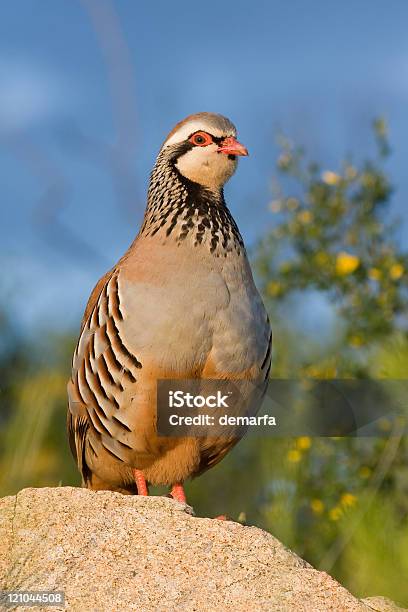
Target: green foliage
{"type": "Point", "coordinates": [333, 236]}
{"type": "Point", "coordinates": [377, 551]}
{"type": "Point", "coordinates": [33, 446]}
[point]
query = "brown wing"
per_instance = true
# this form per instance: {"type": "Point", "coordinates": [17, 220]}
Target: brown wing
{"type": "Point", "coordinates": [102, 367]}
{"type": "Point", "coordinates": [77, 428]}
{"type": "Point", "coordinates": [93, 298]}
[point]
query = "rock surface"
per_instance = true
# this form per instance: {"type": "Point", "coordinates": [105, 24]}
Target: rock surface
{"type": "Point", "coordinates": [109, 551]}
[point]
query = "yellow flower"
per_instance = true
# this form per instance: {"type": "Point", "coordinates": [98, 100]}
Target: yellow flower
{"type": "Point", "coordinates": [364, 472]}
{"type": "Point", "coordinates": [396, 271]}
{"type": "Point", "coordinates": [374, 274]}
{"type": "Point", "coordinates": [356, 340]}
{"type": "Point", "coordinates": [330, 178]}
{"type": "Point", "coordinates": [317, 506]}
{"type": "Point", "coordinates": [274, 288]}
{"type": "Point", "coordinates": [348, 500]}
{"type": "Point", "coordinates": [321, 371]}
{"type": "Point", "coordinates": [346, 263]}
{"type": "Point", "coordinates": [294, 456]}
{"type": "Point", "coordinates": [303, 443]}
{"type": "Point", "coordinates": [305, 216]}
{"type": "Point", "coordinates": [335, 513]}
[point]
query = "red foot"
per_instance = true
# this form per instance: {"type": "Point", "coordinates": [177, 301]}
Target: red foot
{"type": "Point", "coordinates": [140, 483]}
{"type": "Point", "coordinates": [177, 493]}
{"type": "Point", "coordinates": [221, 517]}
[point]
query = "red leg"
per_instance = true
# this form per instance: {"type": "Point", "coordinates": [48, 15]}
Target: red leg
{"type": "Point", "coordinates": [177, 493]}
{"type": "Point", "coordinates": [140, 483]}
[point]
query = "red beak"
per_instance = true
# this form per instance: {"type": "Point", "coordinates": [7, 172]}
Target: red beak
{"type": "Point", "coordinates": [231, 146]}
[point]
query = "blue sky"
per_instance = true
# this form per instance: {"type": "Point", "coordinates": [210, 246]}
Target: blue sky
{"type": "Point", "coordinates": [89, 89]}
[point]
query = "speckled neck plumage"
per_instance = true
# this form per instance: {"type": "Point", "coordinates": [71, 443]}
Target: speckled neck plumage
{"type": "Point", "coordinates": [180, 209]}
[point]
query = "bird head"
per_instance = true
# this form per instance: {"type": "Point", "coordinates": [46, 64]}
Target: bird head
{"type": "Point", "coordinates": [204, 149]}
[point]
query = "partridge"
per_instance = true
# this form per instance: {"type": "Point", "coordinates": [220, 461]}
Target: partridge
{"type": "Point", "coordinates": [182, 304]}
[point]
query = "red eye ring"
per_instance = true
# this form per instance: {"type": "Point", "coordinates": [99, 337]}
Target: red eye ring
{"type": "Point", "coordinates": [201, 139]}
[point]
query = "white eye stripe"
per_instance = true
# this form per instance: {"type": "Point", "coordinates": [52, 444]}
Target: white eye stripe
{"type": "Point", "coordinates": [190, 128]}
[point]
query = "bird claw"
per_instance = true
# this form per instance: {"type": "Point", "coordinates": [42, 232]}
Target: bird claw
{"type": "Point", "coordinates": [140, 483]}
{"type": "Point", "coordinates": [177, 493]}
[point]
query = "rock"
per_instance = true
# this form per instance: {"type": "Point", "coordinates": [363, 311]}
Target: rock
{"type": "Point", "coordinates": [382, 604]}
{"type": "Point", "coordinates": [109, 551]}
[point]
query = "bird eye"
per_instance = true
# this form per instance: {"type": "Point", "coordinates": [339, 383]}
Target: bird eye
{"type": "Point", "coordinates": [201, 139]}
